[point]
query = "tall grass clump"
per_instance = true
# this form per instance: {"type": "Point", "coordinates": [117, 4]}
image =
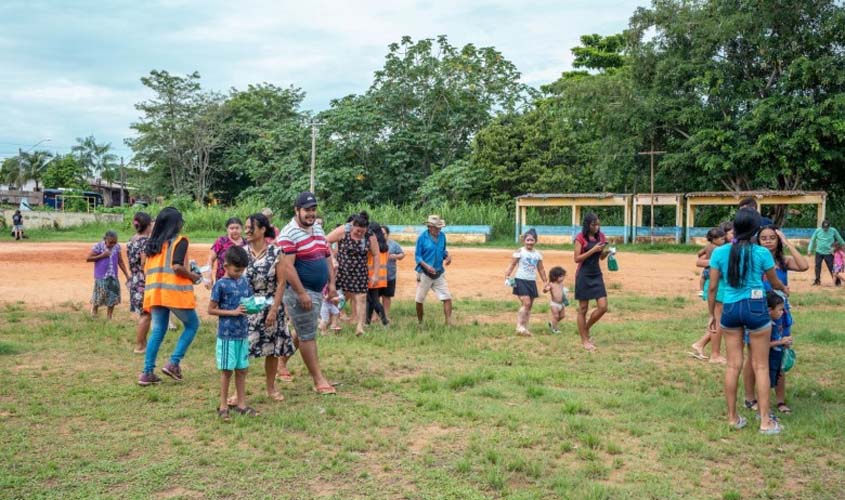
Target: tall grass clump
{"type": "Point", "coordinates": [459, 213]}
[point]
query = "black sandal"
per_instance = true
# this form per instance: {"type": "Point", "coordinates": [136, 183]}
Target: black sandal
{"type": "Point", "coordinates": [223, 413]}
{"type": "Point", "coordinates": [248, 411]}
{"type": "Point", "coordinates": [751, 405]}
{"type": "Point", "coordinates": [783, 408]}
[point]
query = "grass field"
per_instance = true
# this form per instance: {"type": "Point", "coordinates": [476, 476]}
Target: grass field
{"type": "Point", "coordinates": [469, 412]}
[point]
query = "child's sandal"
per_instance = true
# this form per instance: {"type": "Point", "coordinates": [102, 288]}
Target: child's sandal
{"type": "Point", "coordinates": [223, 413]}
{"type": "Point", "coordinates": [783, 408]}
{"type": "Point", "coordinates": [751, 405]}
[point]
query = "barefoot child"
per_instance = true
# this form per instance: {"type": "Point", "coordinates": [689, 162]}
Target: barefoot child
{"type": "Point", "coordinates": [107, 259]}
{"type": "Point", "coordinates": [530, 261]}
{"type": "Point", "coordinates": [557, 297]}
{"type": "Point", "coordinates": [232, 329]}
{"type": "Point", "coordinates": [715, 239]}
{"type": "Point", "coordinates": [330, 312]}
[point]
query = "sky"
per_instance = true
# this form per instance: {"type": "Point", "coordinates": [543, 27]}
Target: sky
{"type": "Point", "coordinates": [72, 69]}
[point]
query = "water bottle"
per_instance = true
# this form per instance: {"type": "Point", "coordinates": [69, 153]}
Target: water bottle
{"type": "Point", "coordinates": [195, 268]}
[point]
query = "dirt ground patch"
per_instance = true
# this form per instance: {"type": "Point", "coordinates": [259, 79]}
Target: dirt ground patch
{"type": "Point", "coordinates": [46, 275]}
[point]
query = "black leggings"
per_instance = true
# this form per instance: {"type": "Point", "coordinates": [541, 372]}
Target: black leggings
{"type": "Point", "coordinates": [374, 304]}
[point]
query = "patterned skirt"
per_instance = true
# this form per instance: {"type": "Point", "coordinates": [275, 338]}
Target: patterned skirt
{"type": "Point", "coordinates": [269, 341]}
{"type": "Point", "coordinates": [136, 293]}
{"type": "Point", "coordinates": [106, 292]}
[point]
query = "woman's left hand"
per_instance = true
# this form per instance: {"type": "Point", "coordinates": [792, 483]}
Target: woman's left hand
{"type": "Point", "coordinates": [271, 316]}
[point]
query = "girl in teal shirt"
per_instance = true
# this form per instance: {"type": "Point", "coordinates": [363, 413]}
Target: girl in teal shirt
{"type": "Point", "coordinates": [736, 271]}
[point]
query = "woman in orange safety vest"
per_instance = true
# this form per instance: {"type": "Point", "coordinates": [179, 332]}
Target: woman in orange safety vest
{"type": "Point", "coordinates": [380, 281]}
{"type": "Point", "coordinates": [169, 288]}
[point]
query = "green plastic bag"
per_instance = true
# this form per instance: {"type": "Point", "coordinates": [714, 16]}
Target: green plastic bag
{"type": "Point", "coordinates": [612, 265]}
{"type": "Point", "coordinates": [788, 359]}
{"type": "Point", "coordinates": [254, 304]}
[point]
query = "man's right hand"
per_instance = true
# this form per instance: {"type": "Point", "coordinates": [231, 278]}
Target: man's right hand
{"type": "Point", "coordinates": [305, 301]}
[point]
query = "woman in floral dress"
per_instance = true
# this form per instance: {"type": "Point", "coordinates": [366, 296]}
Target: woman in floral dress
{"type": "Point", "coordinates": [136, 257]}
{"type": "Point", "coordinates": [268, 334]}
{"type": "Point", "coordinates": [353, 246]}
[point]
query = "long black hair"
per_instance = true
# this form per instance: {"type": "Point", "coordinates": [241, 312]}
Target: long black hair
{"type": "Point", "coordinates": [168, 225]}
{"type": "Point", "coordinates": [261, 220]}
{"type": "Point", "coordinates": [375, 229]}
{"type": "Point", "coordinates": [780, 260]}
{"type": "Point", "coordinates": [746, 227]}
{"type": "Point", "coordinates": [141, 221]}
{"type": "Point", "coordinates": [585, 226]}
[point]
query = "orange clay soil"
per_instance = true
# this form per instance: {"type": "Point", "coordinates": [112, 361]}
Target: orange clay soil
{"type": "Point", "coordinates": [44, 275]}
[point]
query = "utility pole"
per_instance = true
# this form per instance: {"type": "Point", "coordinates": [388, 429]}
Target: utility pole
{"type": "Point", "coordinates": [313, 152]}
{"type": "Point", "coordinates": [122, 181]}
{"type": "Point", "coordinates": [651, 154]}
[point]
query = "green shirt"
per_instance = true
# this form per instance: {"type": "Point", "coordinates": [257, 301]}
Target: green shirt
{"type": "Point", "coordinates": [822, 241]}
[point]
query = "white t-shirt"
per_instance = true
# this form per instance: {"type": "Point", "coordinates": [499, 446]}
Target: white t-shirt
{"type": "Point", "coordinates": [528, 260]}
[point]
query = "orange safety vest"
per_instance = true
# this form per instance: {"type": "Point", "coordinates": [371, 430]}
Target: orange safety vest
{"type": "Point", "coordinates": [382, 270]}
{"type": "Point", "coordinates": [163, 286]}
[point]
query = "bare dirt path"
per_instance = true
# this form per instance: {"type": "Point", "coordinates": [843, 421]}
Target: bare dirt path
{"type": "Point", "coordinates": [44, 275]}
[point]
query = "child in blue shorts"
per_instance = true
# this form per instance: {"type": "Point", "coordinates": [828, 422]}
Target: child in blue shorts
{"type": "Point", "coordinates": [780, 338]}
{"type": "Point", "coordinates": [232, 329]}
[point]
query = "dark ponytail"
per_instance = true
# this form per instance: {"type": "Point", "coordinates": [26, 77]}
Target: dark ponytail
{"type": "Point", "coordinates": [746, 227]}
{"type": "Point", "coordinates": [261, 220]}
{"type": "Point", "coordinates": [168, 225]}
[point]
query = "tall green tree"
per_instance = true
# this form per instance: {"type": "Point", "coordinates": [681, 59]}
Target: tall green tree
{"type": "Point", "coordinates": [418, 117]}
{"type": "Point", "coordinates": [64, 171]}
{"type": "Point", "coordinates": [163, 131]}
{"type": "Point", "coordinates": [746, 95]}
{"type": "Point", "coordinates": [27, 166]}
{"type": "Point", "coordinates": [267, 147]}
{"type": "Point", "coordinates": [96, 158]}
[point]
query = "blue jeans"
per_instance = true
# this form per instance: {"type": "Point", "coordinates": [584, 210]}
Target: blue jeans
{"type": "Point", "coordinates": [160, 319]}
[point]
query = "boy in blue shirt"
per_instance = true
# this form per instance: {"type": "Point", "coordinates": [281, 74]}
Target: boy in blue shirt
{"type": "Point", "coordinates": [779, 338]}
{"type": "Point", "coordinates": [232, 329]}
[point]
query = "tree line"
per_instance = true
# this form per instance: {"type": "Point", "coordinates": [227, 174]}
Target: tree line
{"type": "Point", "coordinates": [739, 95]}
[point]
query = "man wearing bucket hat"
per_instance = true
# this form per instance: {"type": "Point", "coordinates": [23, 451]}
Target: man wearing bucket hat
{"type": "Point", "coordinates": [431, 257]}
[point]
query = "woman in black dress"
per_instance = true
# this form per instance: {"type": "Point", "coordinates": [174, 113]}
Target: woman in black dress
{"type": "Point", "coordinates": [353, 245]}
{"type": "Point", "coordinates": [590, 247]}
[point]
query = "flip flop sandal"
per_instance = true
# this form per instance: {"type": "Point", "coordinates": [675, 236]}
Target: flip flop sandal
{"type": "Point", "coordinates": [248, 411]}
{"type": "Point", "coordinates": [783, 408]}
{"type": "Point", "coordinates": [325, 390]}
{"type": "Point", "coordinates": [751, 405]}
{"type": "Point", "coordinates": [742, 422]}
{"type": "Point", "coordinates": [223, 413]}
{"type": "Point", "coordinates": [696, 355]}
{"type": "Point", "coordinates": [286, 377]}
{"type": "Point", "coordinates": [772, 431]}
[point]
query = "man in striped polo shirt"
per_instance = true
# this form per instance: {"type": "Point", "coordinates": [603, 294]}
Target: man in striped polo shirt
{"type": "Point", "coordinates": [307, 272]}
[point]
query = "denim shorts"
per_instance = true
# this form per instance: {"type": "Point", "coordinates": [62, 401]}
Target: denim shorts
{"type": "Point", "coordinates": [305, 322]}
{"type": "Point", "coordinates": [751, 314]}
